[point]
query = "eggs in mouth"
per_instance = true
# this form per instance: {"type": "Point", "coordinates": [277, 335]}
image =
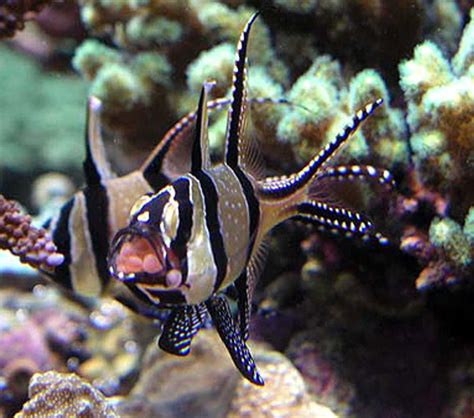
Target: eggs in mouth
{"type": "Point", "coordinates": [138, 260]}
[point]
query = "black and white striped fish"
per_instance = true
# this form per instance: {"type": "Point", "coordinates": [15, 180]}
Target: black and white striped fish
{"type": "Point", "coordinates": [85, 225]}
{"type": "Point", "coordinates": [204, 231]}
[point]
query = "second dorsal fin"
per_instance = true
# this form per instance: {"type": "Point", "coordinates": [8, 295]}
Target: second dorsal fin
{"type": "Point", "coordinates": [200, 158]}
{"type": "Point", "coordinates": [237, 111]}
{"type": "Point", "coordinates": [96, 167]}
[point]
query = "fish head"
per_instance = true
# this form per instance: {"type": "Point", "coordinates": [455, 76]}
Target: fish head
{"type": "Point", "coordinates": [143, 254]}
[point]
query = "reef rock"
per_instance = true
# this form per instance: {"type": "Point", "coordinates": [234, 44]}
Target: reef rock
{"type": "Point", "coordinates": [206, 384]}
{"type": "Point", "coordinates": [284, 394]}
{"type": "Point", "coordinates": [61, 394]}
{"type": "Point", "coordinates": [200, 384]}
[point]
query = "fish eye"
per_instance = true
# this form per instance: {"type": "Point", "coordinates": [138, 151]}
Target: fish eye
{"type": "Point", "coordinates": [139, 203]}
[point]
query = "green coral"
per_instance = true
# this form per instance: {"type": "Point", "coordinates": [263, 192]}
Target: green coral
{"type": "Point", "coordinates": [449, 16]}
{"type": "Point", "coordinates": [469, 226]}
{"type": "Point", "coordinates": [298, 6]}
{"type": "Point", "coordinates": [91, 56]}
{"type": "Point", "coordinates": [156, 31]}
{"type": "Point", "coordinates": [119, 84]}
{"type": "Point", "coordinates": [213, 64]}
{"type": "Point", "coordinates": [440, 101]}
{"type": "Point", "coordinates": [464, 58]}
{"type": "Point", "coordinates": [447, 235]}
{"type": "Point", "coordinates": [325, 104]}
{"type": "Point", "coordinates": [316, 94]}
{"type": "Point", "coordinates": [42, 117]}
{"type": "Point", "coordinates": [118, 87]}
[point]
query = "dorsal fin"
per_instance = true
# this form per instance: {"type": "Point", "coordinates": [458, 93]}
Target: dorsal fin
{"type": "Point", "coordinates": [237, 110]}
{"type": "Point", "coordinates": [171, 158]}
{"type": "Point", "coordinates": [96, 167]}
{"type": "Point", "coordinates": [200, 158]}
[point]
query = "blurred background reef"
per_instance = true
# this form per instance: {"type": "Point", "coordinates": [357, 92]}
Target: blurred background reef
{"type": "Point", "coordinates": [344, 328]}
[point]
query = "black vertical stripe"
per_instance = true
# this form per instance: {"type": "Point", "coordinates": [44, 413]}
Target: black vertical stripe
{"type": "Point", "coordinates": [62, 240]}
{"type": "Point", "coordinates": [97, 213]}
{"type": "Point", "coordinates": [179, 244]}
{"type": "Point", "coordinates": [252, 201]}
{"type": "Point", "coordinates": [211, 201]}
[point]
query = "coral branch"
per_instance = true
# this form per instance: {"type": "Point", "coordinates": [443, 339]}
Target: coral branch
{"type": "Point", "coordinates": [33, 245]}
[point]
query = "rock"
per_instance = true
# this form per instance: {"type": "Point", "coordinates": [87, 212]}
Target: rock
{"type": "Point", "coordinates": [61, 394]}
{"type": "Point", "coordinates": [201, 384]}
{"type": "Point", "coordinates": [284, 394]}
{"type": "Point", "coordinates": [206, 384]}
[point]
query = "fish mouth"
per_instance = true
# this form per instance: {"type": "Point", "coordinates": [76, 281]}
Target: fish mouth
{"type": "Point", "coordinates": [138, 256]}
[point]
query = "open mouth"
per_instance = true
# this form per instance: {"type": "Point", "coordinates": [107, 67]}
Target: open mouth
{"type": "Point", "coordinates": [141, 259]}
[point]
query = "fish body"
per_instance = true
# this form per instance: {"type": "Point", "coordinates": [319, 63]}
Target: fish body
{"type": "Point", "coordinates": [84, 226]}
{"type": "Point", "coordinates": [188, 242]}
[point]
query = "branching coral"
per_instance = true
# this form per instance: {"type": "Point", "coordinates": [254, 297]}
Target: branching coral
{"type": "Point", "coordinates": [34, 246]}
{"type": "Point", "coordinates": [155, 45]}
{"type": "Point", "coordinates": [328, 101]}
{"type": "Point", "coordinates": [440, 97]}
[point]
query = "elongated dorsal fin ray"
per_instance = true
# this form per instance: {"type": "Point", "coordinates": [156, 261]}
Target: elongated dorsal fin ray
{"type": "Point", "coordinates": [200, 158]}
{"type": "Point", "coordinates": [219, 310]}
{"type": "Point", "coordinates": [96, 167]}
{"type": "Point", "coordinates": [285, 186]}
{"type": "Point", "coordinates": [237, 110]}
{"type": "Point", "coordinates": [179, 329]}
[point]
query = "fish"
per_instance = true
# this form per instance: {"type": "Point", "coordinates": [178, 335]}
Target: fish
{"type": "Point", "coordinates": [204, 232]}
{"type": "Point", "coordinates": [84, 226]}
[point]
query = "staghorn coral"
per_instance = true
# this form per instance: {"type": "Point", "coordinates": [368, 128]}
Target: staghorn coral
{"type": "Point", "coordinates": [34, 246]}
{"type": "Point", "coordinates": [62, 394]}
